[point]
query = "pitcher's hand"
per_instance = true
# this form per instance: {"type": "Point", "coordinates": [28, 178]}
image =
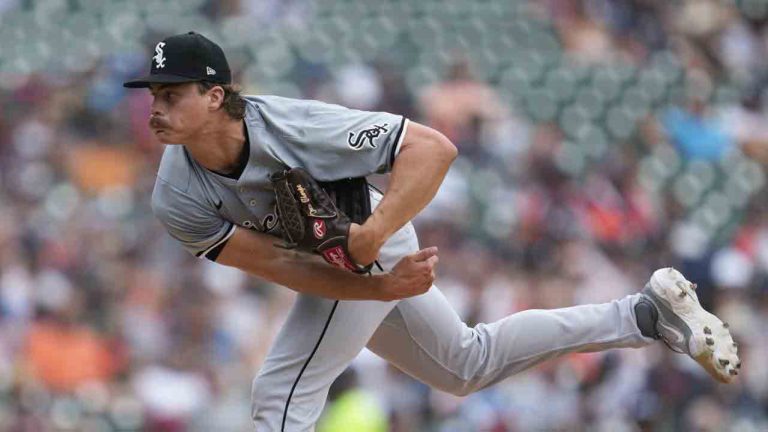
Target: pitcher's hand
{"type": "Point", "coordinates": [412, 275]}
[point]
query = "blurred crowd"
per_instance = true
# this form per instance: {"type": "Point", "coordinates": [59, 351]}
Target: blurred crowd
{"type": "Point", "coordinates": [598, 139]}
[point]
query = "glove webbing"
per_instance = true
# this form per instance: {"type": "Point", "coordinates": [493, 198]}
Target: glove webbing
{"type": "Point", "coordinates": [351, 196]}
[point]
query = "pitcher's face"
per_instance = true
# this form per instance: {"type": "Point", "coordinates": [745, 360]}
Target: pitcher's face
{"type": "Point", "coordinates": [179, 111]}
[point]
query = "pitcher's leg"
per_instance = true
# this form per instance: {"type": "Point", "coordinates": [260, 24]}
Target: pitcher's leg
{"type": "Point", "coordinates": [424, 337]}
{"type": "Point", "coordinates": [318, 340]}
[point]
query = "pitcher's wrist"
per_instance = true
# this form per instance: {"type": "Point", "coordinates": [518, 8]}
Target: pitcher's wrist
{"type": "Point", "coordinates": [375, 231]}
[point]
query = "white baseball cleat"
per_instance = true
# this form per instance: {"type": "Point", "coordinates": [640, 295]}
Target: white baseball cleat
{"type": "Point", "coordinates": [687, 328]}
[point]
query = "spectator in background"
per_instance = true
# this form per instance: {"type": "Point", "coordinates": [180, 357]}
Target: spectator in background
{"type": "Point", "coordinates": [65, 355]}
{"type": "Point", "coordinates": [694, 129]}
{"type": "Point", "coordinates": [351, 409]}
{"type": "Point", "coordinates": [460, 106]}
{"type": "Point", "coordinates": [745, 124]}
{"type": "Point", "coordinates": [585, 38]}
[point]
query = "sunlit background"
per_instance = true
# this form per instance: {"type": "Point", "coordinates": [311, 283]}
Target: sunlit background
{"type": "Point", "coordinates": [599, 139]}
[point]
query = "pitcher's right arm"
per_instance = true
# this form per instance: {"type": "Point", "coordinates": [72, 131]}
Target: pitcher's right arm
{"type": "Point", "coordinates": [255, 253]}
{"type": "Point", "coordinates": [192, 220]}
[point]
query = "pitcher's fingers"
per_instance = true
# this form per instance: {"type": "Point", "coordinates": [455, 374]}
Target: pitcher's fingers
{"type": "Point", "coordinates": [425, 254]}
{"type": "Point", "coordinates": [432, 261]}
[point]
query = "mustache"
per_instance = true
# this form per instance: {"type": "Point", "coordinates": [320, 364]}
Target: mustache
{"type": "Point", "coordinates": [158, 123]}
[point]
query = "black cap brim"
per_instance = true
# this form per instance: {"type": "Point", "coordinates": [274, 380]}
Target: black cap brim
{"type": "Point", "coordinates": [145, 81]}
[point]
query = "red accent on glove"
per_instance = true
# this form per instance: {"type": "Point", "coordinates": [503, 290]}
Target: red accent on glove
{"type": "Point", "coordinates": [336, 256]}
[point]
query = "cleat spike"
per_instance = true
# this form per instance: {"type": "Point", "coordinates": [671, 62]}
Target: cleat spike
{"type": "Point", "coordinates": [733, 372]}
{"type": "Point", "coordinates": [738, 365]}
{"type": "Point", "coordinates": [694, 286]}
{"type": "Point", "coordinates": [724, 362]}
{"type": "Point", "coordinates": [735, 345]}
{"type": "Point", "coordinates": [710, 341]}
{"type": "Point", "coordinates": [726, 325]}
{"type": "Point", "coordinates": [707, 330]}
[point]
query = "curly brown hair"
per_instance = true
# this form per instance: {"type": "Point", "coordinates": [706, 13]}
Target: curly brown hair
{"type": "Point", "coordinates": [234, 103]}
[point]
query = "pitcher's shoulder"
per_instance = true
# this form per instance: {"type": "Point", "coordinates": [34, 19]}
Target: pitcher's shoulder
{"type": "Point", "coordinates": [271, 105]}
{"type": "Point", "coordinates": [177, 190]}
{"type": "Point", "coordinates": [175, 168]}
{"type": "Point", "coordinates": [265, 100]}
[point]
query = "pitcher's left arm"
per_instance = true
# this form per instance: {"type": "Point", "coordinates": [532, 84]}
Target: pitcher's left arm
{"type": "Point", "coordinates": [418, 170]}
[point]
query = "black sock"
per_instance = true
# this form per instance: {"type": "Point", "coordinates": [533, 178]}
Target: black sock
{"type": "Point", "coordinates": [647, 315]}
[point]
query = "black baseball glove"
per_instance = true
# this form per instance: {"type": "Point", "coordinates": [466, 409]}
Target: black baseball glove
{"type": "Point", "coordinates": [311, 221]}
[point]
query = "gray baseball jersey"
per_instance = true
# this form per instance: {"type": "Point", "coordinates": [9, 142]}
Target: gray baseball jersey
{"type": "Point", "coordinates": [421, 335]}
{"type": "Point", "coordinates": [200, 208]}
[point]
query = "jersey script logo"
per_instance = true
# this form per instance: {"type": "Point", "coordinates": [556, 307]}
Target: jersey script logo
{"type": "Point", "coordinates": [269, 222]}
{"type": "Point", "coordinates": [159, 57]}
{"type": "Point", "coordinates": [368, 136]}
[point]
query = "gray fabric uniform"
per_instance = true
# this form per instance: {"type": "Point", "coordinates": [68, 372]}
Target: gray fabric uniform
{"type": "Point", "coordinates": [421, 335]}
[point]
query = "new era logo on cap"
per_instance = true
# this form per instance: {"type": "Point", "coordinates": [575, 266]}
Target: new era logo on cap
{"type": "Point", "coordinates": [183, 58]}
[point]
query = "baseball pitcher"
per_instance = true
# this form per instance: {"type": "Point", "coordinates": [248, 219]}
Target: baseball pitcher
{"type": "Point", "coordinates": [276, 187]}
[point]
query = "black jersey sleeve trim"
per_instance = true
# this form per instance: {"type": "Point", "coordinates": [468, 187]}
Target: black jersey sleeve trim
{"type": "Point", "coordinates": [227, 234]}
{"type": "Point", "coordinates": [213, 255]}
{"type": "Point", "coordinates": [398, 141]}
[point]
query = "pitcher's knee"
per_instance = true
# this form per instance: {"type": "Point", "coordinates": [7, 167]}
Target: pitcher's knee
{"type": "Point", "coordinates": [261, 397]}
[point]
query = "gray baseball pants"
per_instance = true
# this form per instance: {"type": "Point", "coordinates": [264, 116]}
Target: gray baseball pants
{"type": "Point", "coordinates": [424, 337]}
